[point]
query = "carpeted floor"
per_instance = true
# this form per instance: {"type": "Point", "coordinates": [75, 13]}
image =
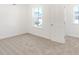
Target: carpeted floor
{"type": "Point", "coordinates": [28, 44]}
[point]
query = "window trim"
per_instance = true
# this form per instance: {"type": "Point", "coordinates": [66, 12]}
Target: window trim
{"type": "Point", "coordinates": [33, 15]}
{"type": "Point", "coordinates": [75, 14]}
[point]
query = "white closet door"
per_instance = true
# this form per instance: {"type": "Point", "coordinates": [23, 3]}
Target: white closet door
{"type": "Point", "coordinates": [57, 23]}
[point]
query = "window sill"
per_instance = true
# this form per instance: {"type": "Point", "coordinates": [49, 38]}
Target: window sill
{"type": "Point", "coordinates": [76, 22]}
{"type": "Point", "coordinates": [37, 26]}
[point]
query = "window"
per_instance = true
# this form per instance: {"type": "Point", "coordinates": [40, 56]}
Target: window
{"type": "Point", "coordinates": [76, 14]}
{"type": "Point", "coordinates": [37, 17]}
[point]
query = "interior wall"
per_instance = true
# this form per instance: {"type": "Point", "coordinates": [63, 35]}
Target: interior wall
{"type": "Point", "coordinates": [13, 20]}
{"type": "Point", "coordinates": [17, 19]}
{"type": "Point", "coordinates": [45, 30]}
{"type": "Point", "coordinates": [71, 28]}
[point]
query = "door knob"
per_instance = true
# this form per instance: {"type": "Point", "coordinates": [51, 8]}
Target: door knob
{"type": "Point", "coordinates": [51, 24]}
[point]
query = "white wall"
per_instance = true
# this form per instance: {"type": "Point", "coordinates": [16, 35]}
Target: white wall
{"type": "Point", "coordinates": [13, 20]}
{"type": "Point", "coordinates": [71, 29]}
{"type": "Point", "coordinates": [45, 30]}
{"type": "Point", "coordinates": [49, 16]}
{"type": "Point", "coordinates": [17, 19]}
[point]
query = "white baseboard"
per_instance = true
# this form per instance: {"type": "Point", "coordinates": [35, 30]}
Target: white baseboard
{"type": "Point", "coordinates": [49, 38]}
{"type": "Point", "coordinates": [73, 35]}
{"type": "Point", "coordinates": [46, 37]}
{"type": "Point", "coordinates": [9, 36]}
{"type": "Point", "coordinates": [40, 35]}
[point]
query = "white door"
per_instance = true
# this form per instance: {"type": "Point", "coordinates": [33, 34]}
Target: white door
{"type": "Point", "coordinates": [57, 23]}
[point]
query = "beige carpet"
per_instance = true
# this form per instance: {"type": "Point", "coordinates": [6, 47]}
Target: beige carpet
{"type": "Point", "coordinates": [32, 45]}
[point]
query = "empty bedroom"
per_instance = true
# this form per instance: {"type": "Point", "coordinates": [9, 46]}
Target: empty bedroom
{"type": "Point", "coordinates": [39, 29]}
